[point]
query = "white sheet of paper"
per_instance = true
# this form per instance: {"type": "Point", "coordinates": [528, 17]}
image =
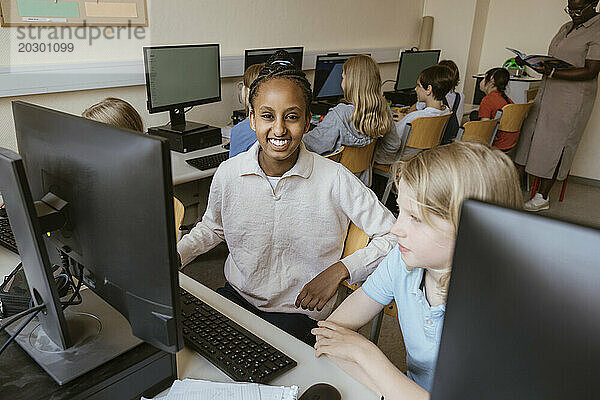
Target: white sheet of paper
{"type": "Point", "coordinates": [191, 389]}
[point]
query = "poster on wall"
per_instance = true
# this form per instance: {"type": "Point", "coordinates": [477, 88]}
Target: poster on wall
{"type": "Point", "coordinates": [73, 13]}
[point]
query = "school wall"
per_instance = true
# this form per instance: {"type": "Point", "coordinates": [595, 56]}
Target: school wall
{"type": "Point", "coordinates": [530, 26]}
{"type": "Point", "coordinates": [236, 25]}
{"type": "Point", "coordinates": [452, 30]}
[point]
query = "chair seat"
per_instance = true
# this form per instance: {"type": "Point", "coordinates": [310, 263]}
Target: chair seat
{"type": "Point", "coordinates": [383, 167]}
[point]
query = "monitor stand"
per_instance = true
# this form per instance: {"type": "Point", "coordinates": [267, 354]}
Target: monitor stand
{"type": "Point", "coordinates": [179, 125]}
{"type": "Point", "coordinates": [99, 332]}
{"type": "Point", "coordinates": [185, 136]}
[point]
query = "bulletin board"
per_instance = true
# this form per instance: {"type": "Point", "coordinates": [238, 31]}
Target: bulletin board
{"type": "Point", "coordinates": [73, 13]}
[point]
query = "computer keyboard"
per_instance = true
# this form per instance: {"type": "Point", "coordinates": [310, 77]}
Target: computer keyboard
{"type": "Point", "coordinates": [209, 161]}
{"type": "Point", "coordinates": [7, 239]}
{"type": "Point", "coordinates": [238, 353]}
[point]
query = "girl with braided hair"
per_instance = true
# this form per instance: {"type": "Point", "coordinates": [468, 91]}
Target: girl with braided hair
{"type": "Point", "coordinates": [284, 213]}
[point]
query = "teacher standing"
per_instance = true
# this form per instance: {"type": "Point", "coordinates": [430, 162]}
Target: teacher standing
{"type": "Point", "coordinates": [564, 103]}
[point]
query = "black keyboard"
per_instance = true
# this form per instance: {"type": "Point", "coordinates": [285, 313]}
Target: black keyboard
{"type": "Point", "coordinates": [238, 353]}
{"type": "Point", "coordinates": [208, 162]}
{"type": "Point", "coordinates": [7, 239]}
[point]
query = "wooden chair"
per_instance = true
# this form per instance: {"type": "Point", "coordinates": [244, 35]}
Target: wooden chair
{"type": "Point", "coordinates": [422, 133]}
{"type": "Point", "coordinates": [513, 116]}
{"type": "Point", "coordinates": [355, 159]}
{"type": "Point", "coordinates": [482, 132]}
{"type": "Point", "coordinates": [358, 159]}
{"type": "Point", "coordinates": [336, 156]}
{"type": "Point", "coordinates": [179, 211]}
{"type": "Point", "coordinates": [356, 239]}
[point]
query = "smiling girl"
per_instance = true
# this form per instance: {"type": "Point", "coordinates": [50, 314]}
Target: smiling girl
{"type": "Point", "coordinates": [284, 213]}
{"type": "Point", "coordinates": [431, 189]}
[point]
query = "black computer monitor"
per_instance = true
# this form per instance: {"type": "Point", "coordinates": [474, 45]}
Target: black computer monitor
{"type": "Point", "coordinates": [182, 76]}
{"type": "Point", "coordinates": [522, 313]}
{"type": "Point", "coordinates": [328, 76]}
{"type": "Point", "coordinates": [118, 224]}
{"type": "Point", "coordinates": [257, 56]}
{"type": "Point", "coordinates": [410, 66]}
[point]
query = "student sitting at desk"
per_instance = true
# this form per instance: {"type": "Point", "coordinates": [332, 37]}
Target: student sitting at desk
{"type": "Point", "coordinates": [415, 274]}
{"type": "Point", "coordinates": [115, 112]}
{"type": "Point", "coordinates": [242, 135]}
{"type": "Point", "coordinates": [454, 100]}
{"type": "Point", "coordinates": [494, 86]}
{"type": "Point", "coordinates": [363, 115]}
{"type": "Point", "coordinates": [284, 213]}
{"type": "Point", "coordinates": [432, 86]}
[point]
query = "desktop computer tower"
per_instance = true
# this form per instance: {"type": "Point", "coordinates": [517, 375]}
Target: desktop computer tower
{"type": "Point", "coordinates": [189, 141]}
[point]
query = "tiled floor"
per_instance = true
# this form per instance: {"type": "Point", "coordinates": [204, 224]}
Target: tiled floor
{"type": "Point", "coordinates": [581, 205]}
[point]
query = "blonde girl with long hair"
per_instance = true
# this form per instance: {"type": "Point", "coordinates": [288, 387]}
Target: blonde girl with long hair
{"type": "Point", "coordinates": [361, 117]}
{"type": "Point", "coordinates": [431, 189]}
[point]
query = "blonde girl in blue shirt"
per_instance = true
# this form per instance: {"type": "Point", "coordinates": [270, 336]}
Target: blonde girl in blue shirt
{"type": "Point", "coordinates": [415, 274]}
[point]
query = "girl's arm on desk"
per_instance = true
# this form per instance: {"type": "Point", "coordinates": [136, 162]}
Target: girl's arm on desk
{"type": "Point", "coordinates": [359, 357]}
{"type": "Point", "coordinates": [207, 233]}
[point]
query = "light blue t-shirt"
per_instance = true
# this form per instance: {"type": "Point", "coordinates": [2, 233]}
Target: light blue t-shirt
{"type": "Point", "coordinates": [242, 138]}
{"type": "Point", "coordinates": [421, 324]}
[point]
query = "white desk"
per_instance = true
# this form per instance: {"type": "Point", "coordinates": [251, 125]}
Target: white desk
{"type": "Point", "coordinates": [183, 172]}
{"type": "Point", "coordinates": [190, 364]}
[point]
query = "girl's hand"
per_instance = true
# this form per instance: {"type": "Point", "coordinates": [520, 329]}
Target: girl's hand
{"type": "Point", "coordinates": [339, 342]}
{"type": "Point", "coordinates": [317, 292]}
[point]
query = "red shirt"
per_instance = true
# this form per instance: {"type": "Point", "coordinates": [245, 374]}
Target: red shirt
{"type": "Point", "coordinates": [490, 105]}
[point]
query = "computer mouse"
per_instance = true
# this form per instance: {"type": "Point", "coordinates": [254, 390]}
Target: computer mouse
{"type": "Point", "coordinates": [321, 391]}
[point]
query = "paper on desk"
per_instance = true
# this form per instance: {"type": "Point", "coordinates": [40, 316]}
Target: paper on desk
{"type": "Point", "coordinates": [278, 392]}
{"type": "Point", "coordinates": [191, 389]}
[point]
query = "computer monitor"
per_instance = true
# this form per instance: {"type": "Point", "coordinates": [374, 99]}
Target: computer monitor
{"type": "Point", "coordinates": [410, 66]}
{"type": "Point", "coordinates": [328, 76]}
{"type": "Point", "coordinates": [257, 56]}
{"type": "Point", "coordinates": [182, 76]}
{"type": "Point", "coordinates": [521, 318]}
{"type": "Point", "coordinates": [117, 222]}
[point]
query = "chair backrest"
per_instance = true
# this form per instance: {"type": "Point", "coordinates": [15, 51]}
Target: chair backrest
{"type": "Point", "coordinates": [426, 132]}
{"type": "Point", "coordinates": [356, 239]}
{"type": "Point", "coordinates": [479, 131]}
{"type": "Point", "coordinates": [358, 159]}
{"type": "Point", "coordinates": [179, 211]}
{"type": "Point", "coordinates": [513, 116]}
{"type": "Point", "coordinates": [336, 156]}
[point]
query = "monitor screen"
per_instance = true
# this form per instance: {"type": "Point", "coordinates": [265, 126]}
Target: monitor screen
{"type": "Point", "coordinates": [257, 56]}
{"type": "Point", "coordinates": [411, 64]}
{"type": "Point", "coordinates": [182, 76]}
{"type": "Point", "coordinates": [328, 76]}
{"type": "Point", "coordinates": [119, 220]}
{"type": "Point", "coordinates": [521, 316]}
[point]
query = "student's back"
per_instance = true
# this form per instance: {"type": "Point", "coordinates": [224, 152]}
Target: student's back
{"type": "Point", "coordinates": [494, 85]}
{"type": "Point", "coordinates": [363, 116]}
{"type": "Point", "coordinates": [388, 148]}
{"type": "Point", "coordinates": [432, 86]}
